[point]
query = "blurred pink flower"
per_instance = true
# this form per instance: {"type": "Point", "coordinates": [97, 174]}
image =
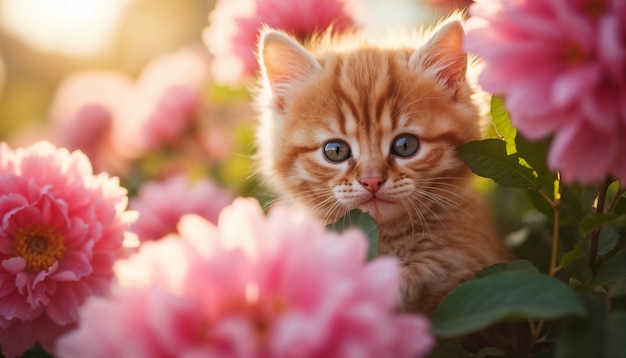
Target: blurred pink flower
{"type": "Point", "coordinates": [161, 204]}
{"type": "Point", "coordinates": [561, 66]}
{"type": "Point", "coordinates": [167, 95]}
{"type": "Point", "coordinates": [114, 119]}
{"type": "Point", "coordinates": [83, 113]}
{"type": "Point", "coordinates": [255, 286]}
{"type": "Point", "coordinates": [61, 227]}
{"type": "Point", "coordinates": [234, 24]}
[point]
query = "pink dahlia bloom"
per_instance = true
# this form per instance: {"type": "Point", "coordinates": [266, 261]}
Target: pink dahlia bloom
{"type": "Point", "coordinates": [561, 66]}
{"type": "Point", "coordinates": [161, 204]}
{"type": "Point", "coordinates": [61, 227]}
{"type": "Point", "coordinates": [254, 286]}
{"type": "Point", "coordinates": [233, 28]}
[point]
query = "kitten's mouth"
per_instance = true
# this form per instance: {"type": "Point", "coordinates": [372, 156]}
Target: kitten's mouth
{"type": "Point", "coordinates": [374, 205]}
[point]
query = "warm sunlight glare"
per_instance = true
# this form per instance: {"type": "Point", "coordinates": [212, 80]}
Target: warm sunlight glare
{"type": "Point", "coordinates": [71, 27]}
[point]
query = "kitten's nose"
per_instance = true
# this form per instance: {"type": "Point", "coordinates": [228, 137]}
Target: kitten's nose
{"type": "Point", "coordinates": [372, 184]}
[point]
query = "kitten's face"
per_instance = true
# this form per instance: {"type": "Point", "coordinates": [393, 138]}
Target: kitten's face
{"type": "Point", "coordinates": [370, 130]}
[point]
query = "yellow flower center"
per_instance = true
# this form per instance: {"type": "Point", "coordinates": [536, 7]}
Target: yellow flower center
{"type": "Point", "coordinates": [41, 246]}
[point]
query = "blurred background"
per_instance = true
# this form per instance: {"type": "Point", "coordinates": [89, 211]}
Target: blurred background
{"type": "Point", "coordinates": [43, 41]}
{"type": "Point", "coordinates": [47, 47]}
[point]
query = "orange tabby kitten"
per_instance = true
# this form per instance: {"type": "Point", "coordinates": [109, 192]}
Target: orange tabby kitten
{"type": "Point", "coordinates": [353, 123]}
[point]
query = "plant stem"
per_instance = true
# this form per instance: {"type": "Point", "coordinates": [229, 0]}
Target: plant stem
{"type": "Point", "coordinates": [616, 199]}
{"type": "Point", "coordinates": [556, 207]}
{"type": "Point", "coordinates": [536, 328]}
{"type": "Point", "coordinates": [595, 234]}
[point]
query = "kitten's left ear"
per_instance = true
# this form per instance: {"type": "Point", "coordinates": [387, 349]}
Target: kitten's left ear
{"type": "Point", "coordinates": [443, 55]}
{"type": "Point", "coordinates": [285, 64]}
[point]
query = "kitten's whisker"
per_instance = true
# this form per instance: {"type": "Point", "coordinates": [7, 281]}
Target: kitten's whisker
{"type": "Point", "coordinates": [432, 212]}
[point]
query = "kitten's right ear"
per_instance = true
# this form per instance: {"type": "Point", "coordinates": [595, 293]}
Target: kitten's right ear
{"type": "Point", "coordinates": [284, 63]}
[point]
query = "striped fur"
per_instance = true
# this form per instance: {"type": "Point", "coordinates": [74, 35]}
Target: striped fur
{"type": "Point", "coordinates": [366, 93]}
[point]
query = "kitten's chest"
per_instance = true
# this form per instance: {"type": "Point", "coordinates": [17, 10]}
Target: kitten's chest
{"type": "Point", "coordinates": [403, 238]}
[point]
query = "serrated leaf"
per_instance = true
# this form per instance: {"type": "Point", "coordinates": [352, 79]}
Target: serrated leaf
{"type": "Point", "coordinates": [488, 158]}
{"type": "Point", "coordinates": [502, 122]}
{"type": "Point", "coordinates": [478, 303]}
{"type": "Point", "coordinates": [612, 269]}
{"type": "Point", "coordinates": [359, 219]}
{"type": "Point", "coordinates": [518, 265]}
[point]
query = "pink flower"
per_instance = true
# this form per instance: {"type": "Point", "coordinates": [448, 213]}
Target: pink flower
{"type": "Point", "coordinates": [233, 31]}
{"type": "Point", "coordinates": [61, 227]}
{"type": "Point", "coordinates": [114, 119]}
{"type": "Point", "coordinates": [162, 204]}
{"type": "Point", "coordinates": [561, 66]}
{"type": "Point", "coordinates": [167, 96]}
{"type": "Point", "coordinates": [83, 113]}
{"type": "Point", "coordinates": [254, 286]}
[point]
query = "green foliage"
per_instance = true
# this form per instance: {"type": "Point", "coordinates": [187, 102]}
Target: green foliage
{"type": "Point", "coordinates": [489, 158]}
{"type": "Point", "coordinates": [363, 221]}
{"type": "Point", "coordinates": [575, 307]}
{"type": "Point", "coordinates": [519, 293]}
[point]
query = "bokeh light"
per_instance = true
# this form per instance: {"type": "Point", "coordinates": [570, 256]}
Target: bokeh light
{"type": "Point", "coordinates": [71, 27]}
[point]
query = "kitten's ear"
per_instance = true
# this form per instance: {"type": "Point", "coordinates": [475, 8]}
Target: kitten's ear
{"type": "Point", "coordinates": [284, 63]}
{"type": "Point", "coordinates": [443, 54]}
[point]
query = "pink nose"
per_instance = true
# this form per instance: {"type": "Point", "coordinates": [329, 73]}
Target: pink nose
{"type": "Point", "coordinates": [372, 184]}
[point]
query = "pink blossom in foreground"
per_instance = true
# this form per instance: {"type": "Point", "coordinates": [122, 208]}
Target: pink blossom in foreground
{"type": "Point", "coordinates": [233, 28]}
{"type": "Point", "coordinates": [561, 66]}
{"type": "Point", "coordinates": [60, 229]}
{"type": "Point", "coordinates": [161, 204]}
{"type": "Point", "coordinates": [254, 286]}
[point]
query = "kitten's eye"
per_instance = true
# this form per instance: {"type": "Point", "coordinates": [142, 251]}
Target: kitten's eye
{"type": "Point", "coordinates": [337, 151]}
{"type": "Point", "coordinates": [405, 145]}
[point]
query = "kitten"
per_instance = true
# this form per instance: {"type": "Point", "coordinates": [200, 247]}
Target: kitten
{"type": "Point", "coordinates": [348, 122]}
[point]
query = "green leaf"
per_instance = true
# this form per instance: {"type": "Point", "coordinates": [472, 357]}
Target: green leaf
{"type": "Point", "coordinates": [620, 207]}
{"type": "Point", "coordinates": [612, 269]}
{"type": "Point", "coordinates": [583, 337]}
{"type": "Point", "coordinates": [535, 154]}
{"type": "Point", "coordinates": [580, 270]}
{"type": "Point", "coordinates": [615, 346]}
{"type": "Point", "coordinates": [608, 240]}
{"type": "Point", "coordinates": [519, 265]}
{"type": "Point", "coordinates": [359, 219]}
{"type": "Point", "coordinates": [571, 256]}
{"type": "Point", "coordinates": [488, 158]}
{"type": "Point", "coordinates": [518, 294]}
{"type": "Point", "coordinates": [594, 221]}
{"type": "Point", "coordinates": [501, 120]}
